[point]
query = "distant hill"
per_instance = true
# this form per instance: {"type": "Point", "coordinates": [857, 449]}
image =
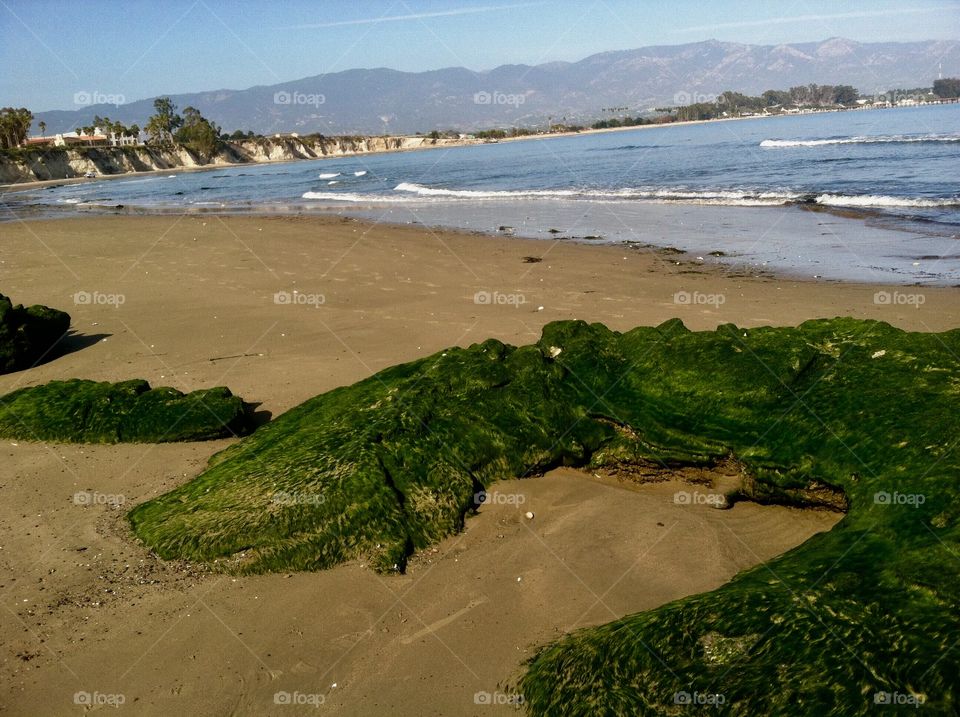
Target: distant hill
{"type": "Point", "coordinates": [376, 101]}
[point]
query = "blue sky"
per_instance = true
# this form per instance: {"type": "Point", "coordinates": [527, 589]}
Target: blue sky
{"type": "Point", "coordinates": [51, 49]}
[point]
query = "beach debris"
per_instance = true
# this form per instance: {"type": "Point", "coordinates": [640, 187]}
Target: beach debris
{"type": "Point", "coordinates": [505, 229]}
{"type": "Point", "coordinates": [539, 308]}
{"type": "Point", "coordinates": [878, 354]}
{"type": "Point", "coordinates": [532, 259]}
{"type": "Point", "coordinates": [528, 515]}
{"type": "Point", "coordinates": [555, 351]}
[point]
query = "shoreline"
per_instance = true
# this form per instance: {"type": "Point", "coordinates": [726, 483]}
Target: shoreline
{"type": "Point", "coordinates": [689, 242]}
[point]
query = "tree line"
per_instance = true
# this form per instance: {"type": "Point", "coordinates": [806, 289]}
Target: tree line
{"type": "Point", "coordinates": [802, 96]}
{"type": "Point", "coordinates": [14, 125]}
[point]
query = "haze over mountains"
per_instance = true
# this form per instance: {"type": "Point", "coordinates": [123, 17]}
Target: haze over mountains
{"type": "Point", "coordinates": [376, 101]}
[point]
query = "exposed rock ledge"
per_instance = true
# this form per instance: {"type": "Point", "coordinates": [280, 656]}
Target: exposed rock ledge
{"type": "Point", "coordinates": [64, 163]}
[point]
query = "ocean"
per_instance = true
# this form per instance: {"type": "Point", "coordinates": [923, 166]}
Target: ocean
{"type": "Point", "coordinates": [860, 195]}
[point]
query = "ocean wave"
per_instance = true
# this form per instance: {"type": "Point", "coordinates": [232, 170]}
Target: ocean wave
{"type": "Point", "coordinates": [880, 139]}
{"type": "Point", "coordinates": [423, 191]}
{"type": "Point", "coordinates": [711, 196]}
{"type": "Point", "coordinates": [354, 197]}
{"type": "Point", "coordinates": [360, 173]}
{"type": "Point", "coordinates": [329, 175]}
{"type": "Point", "coordinates": [410, 192]}
{"type": "Point", "coordinates": [880, 201]}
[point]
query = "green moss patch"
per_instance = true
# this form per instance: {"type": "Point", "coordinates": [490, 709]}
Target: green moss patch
{"type": "Point", "coordinates": [78, 411]}
{"type": "Point", "coordinates": [836, 413]}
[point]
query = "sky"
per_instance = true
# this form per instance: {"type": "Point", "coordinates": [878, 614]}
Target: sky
{"type": "Point", "coordinates": [58, 54]}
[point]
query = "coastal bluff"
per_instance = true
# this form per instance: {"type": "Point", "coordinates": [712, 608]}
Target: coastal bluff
{"type": "Point", "coordinates": [67, 163]}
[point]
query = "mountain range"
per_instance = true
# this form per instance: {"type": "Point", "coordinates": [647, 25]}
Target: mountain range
{"type": "Point", "coordinates": [381, 100]}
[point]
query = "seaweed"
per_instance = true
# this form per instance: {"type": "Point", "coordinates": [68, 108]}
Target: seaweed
{"type": "Point", "coordinates": [843, 413]}
{"type": "Point", "coordinates": [80, 411]}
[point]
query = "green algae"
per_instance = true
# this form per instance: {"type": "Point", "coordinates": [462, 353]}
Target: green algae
{"type": "Point", "coordinates": [842, 407]}
{"type": "Point", "coordinates": [79, 411]}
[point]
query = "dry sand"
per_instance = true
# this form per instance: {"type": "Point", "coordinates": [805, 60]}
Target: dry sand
{"type": "Point", "coordinates": [86, 609]}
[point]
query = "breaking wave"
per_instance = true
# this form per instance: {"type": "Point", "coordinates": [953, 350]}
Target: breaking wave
{"type": "Point", "coordinates": [881, 139]}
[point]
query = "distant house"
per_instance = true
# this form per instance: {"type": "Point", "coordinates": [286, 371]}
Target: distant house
{"type": "Point", "coordinates": [67, 140]}
{"type": "Point", "coordinates": [99, 138]}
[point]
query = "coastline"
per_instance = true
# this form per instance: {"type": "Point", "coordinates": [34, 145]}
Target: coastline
{"type": "Point", "coordinates": [447, 144]}
{"type": "Point", "coordinates": [427, 143]}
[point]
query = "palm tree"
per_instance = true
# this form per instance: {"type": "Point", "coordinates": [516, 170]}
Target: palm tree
{"type": "Point", "coordinates": [43, 128]}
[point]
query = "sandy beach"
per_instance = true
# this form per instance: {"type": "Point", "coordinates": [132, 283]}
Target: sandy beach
{"type": "Point", "coordinates": [283, 308]}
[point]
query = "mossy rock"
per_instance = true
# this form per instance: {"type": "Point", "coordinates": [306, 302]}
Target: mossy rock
{"type": "Point", "coordinates": [78, 411]}
{"type": "Point", "coordinates": [843, 407]}
{"type": "Point", "coordinates": [27, 334]}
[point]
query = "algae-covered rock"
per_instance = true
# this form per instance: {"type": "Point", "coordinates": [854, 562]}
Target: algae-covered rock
{"type": "Point", "coordinates": [27, 334]}
{"type": "Point", "coordinates": [81, 411]}
{"type": "Point", "coordinates": [833, 413]}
